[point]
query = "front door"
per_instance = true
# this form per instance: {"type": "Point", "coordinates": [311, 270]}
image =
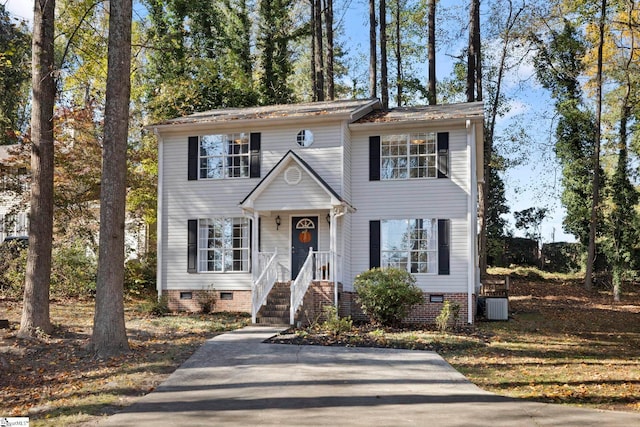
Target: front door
{"type": "Point", "coordinates": [304, 236]}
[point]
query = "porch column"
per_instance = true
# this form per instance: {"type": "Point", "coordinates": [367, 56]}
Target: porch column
{"type": "Point", "coordinates": [255, 229]}
{"type": "Point", "coordinates": [333, 240]}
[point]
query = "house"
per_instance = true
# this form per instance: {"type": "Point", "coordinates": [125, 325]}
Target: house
{"type": "Point", "coordinates": [14, 220]}
{"type": "Point", "coordinates": [275, 210]}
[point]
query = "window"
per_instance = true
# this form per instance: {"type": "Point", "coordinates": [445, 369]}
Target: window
{"type": "Point", "coordinates": [223, 244]}
{"type": "Point", "coordinates": [224, 156]}
{"type": "Point", "coordinates": [408, 156]}
{"type": "Point", "coordinates": [305, 138]}
{"type": "Point", "coordinates": [409, 244]}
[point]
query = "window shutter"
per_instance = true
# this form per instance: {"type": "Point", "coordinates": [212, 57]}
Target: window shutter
{"type": "Point", "coordinates": [443, 154]}
{"type": "Point", "coordinates": [374, 158]}
{"type": "Point", "coordinates": [192, 246]}
{"type": "Point", "coordinates": [193, 158]}
{"type": "Point", "coordinates": [374, 244]}
{"type": "Point", "coordinates": [254, 155]}
{"type": "Point", "coordinates": [444, 234]}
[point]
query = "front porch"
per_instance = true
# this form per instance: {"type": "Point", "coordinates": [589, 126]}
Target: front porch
{"type": "Point", "coordinates": [279, 301]}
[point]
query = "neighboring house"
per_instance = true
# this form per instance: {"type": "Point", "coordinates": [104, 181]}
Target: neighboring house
{"type": "Point", "coordinates": [14, 220]}
{"type": "Point", "coordinates": [256, 201]}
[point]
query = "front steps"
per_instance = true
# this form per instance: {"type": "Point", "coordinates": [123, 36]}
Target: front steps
{"type": "Point", "coordinates": [276, 310]}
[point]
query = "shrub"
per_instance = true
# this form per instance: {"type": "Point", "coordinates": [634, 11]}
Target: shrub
{"type": "Point", "coordinates": [387, 295]}
{"type": "Point", "coordinates": [448, 312]}
{"type": "Point", "coordinates": [73, 271]}
{"type": "Point", "coordinates": [140, 274]}
{"type": "Point", "coordinates": [207, 300]}
{"type": "Point", "coordinates": [334, 324]}
{"type": "Point", "coordinates": [13, 261]}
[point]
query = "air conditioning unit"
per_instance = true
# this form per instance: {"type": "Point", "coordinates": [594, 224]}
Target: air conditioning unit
{"type": "Point", "coordinates": [497, 308]}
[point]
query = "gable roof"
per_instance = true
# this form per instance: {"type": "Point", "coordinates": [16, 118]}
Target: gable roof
{"type": "Point", "coordinates": [278, 168]}
{"type": "Point", "coordinates": [350, 110]}
{"type": "Point", "coordinates": [446, 112]}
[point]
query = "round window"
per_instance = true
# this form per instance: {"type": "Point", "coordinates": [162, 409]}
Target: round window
{"type": "Point", "coordinates": [305, 138]}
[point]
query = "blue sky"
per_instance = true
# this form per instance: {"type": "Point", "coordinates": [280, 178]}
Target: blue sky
{"type": "Point", "coordinates": [533, 183]}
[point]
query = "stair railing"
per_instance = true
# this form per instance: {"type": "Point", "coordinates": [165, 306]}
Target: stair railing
{"type": "Point", "coordinates": [301, 284]}
{"type": "Point", "coordinates": [262, 286]}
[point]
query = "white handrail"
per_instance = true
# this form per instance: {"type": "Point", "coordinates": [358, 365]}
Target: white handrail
{"type": "Point", "coordinates": [263, 285]}
{"type": "Point", "coordinates": [301, 284]}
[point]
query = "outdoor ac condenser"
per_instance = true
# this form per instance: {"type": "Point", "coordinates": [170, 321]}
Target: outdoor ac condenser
{"type": "Point", "coordinates": [497, 308]}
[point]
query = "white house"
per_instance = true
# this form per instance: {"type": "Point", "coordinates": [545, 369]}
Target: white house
{"type": "Point", "coordinates": [269, 208]}
{"type": "Point", "coordinates": [14, 220]}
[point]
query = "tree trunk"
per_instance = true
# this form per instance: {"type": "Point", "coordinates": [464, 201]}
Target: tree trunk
{"type": "Point", "coordinates": [477, 49]}
{"type": "Point", "coordinates": [471, 54]}
{"type": "Point", "coordinates": [593, 223]}
{"type": "Point", "coordinates": [431, 22]}
{"type": "Point", "coordinates": [328, 22]}
{"type": "Point", "coordinates": [319, 66]}
{"type": "Point", "coordinates": [35, 313]}
{"type": "Point", "coordinates": [314, 83]}
{"type": "Point", "coordinates": [373, 60]}
{"type": "Point", "coordinates": [384, 76]}
{"type": "Point", "coordinates": [109, 333]}
{"type": "Point", "coordinates": [398, 56]}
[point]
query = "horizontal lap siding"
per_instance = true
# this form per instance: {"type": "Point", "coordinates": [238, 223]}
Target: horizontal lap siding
{"type": "Point", "coordinates": [183, 199]}
{"type": "Point", "coordinates": [445, 198]}
{"type": "Point", "coordinates": [324, 156]}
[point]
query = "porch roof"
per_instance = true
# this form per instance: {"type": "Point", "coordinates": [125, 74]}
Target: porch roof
{"type": "Point", "coordinates": [336, 199]}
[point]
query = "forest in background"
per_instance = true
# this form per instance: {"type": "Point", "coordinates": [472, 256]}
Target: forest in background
{"type": "Point", "coordinates": [189, 56]}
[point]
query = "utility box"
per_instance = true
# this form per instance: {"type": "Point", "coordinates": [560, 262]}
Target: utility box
{"type": "Point", "coordinates": [497, 308]}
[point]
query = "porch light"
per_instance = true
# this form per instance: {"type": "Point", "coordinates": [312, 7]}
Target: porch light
{"type": "Point", "coordinates": [278, 222]}
{"type": "Point", "coordinates": [328, 218]}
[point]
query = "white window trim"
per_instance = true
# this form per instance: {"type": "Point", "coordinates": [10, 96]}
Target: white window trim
{"type": "Point", "coordinates": [203, 263]}
{"type": "Point", "coordinates": [224, 158]}
{"type": "Point", "coordinates": [431, 139]}
{"type": "Point", "coordinates": [431, 251]}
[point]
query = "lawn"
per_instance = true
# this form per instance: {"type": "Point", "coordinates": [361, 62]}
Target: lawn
{"type": "Point", "coordinates": [561, 345]}
{"type": "Point", "coordinates": [55, 381]}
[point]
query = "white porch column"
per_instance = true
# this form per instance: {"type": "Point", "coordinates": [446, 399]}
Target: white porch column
{"type": "Point", "coordinates": [333, 227]}
{"type": "Point", "coordinates": [255, 250]}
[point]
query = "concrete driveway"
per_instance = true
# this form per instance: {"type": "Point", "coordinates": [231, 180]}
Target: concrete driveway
{"type": "Point", "coordinates": [236, 380]}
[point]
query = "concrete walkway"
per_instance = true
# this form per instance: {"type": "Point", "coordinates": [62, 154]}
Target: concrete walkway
{"type": "Point", "coordinates": [236, 380]}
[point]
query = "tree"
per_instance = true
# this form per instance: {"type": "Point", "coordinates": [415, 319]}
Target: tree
{"type": "Point", "coordinates": [317, 49]}
{"type": "Point", "coordinates": [276, 30]}
{"type": "Point", "coordinates": [35, 312]}
{"type": "Point", "coordinates": [329, 75]}
{"type": "Point", "coordinates": [595, 186]}
{"type": "Point", "coordinates": [558, 67]}
{"type": "Point", "coordinates": [431, 43]}
{"type": "Point", "coordinates": [373, 49]}
{"type": "Point", "coordinates": [529, 220]}
{"type": "Point", "coordinates": [109, 332]}
{"type": "Point", "coordinates": [384, 75]}
{"type": "Point", "coordinates": [15, 48]}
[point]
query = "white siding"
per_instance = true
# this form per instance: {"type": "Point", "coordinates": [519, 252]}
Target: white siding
{"type": "Point", "coordinates": [183, 199]}
{"type": "Point", "coordinates": [445, 198]}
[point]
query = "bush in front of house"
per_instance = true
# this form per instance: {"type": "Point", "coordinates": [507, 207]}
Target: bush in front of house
{"type": "Point", "coordinates": [386, 295]}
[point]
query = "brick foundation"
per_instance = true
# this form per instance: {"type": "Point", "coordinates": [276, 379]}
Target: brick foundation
{"type": "Point", "coordinates": [421, 313]}
{"type": "Point", "coordinates": [240, 302]}
{"type": "Point", "coordinates": [319, 295]}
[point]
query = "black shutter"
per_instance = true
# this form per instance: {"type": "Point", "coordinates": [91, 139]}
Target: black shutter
{"type": "Point", "coordinates": [374, 158]}
{"type": "Point", "coordinates": [443, 154]}
{"type": "Point", "coordinates": [374, 244]}
{"type": "Point", "coordinates": [444, 234]}
{"type": "Point", "coordinates": [193, 158]}
{"type": "Point", "coordinates": [192, 246]}
{"type": "Point", "coordinates": [254, 155]}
